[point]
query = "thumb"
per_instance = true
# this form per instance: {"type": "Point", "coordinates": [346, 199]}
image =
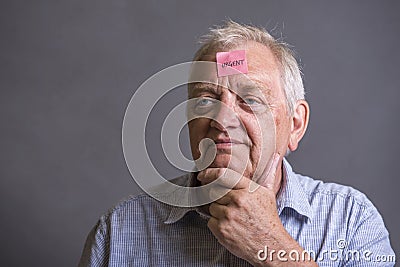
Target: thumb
{"type": "Point", "coordinates": [267, 180]}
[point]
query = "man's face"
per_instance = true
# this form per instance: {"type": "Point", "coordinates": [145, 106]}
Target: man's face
{"type": "Point", "coordinates": [250, 122]}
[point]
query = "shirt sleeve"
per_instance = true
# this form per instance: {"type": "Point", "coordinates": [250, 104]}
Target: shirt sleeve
{"type": "Point", "coordinates": [369, 244]}
{"type": "Point", "coordinates": [97, 247]}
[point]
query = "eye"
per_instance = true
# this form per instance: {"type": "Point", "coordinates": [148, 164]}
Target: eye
{"type": "Point", "coordinates": [203, 105]}
{"type": "Point", "coordinates": [251, 101]}
{"type": "Point", "coordinates": [204, 102]}
{"type": "Point", "coordinates": [252, 104]}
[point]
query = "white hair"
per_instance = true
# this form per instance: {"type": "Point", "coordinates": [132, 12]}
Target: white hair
{"type": "Point", "coordinates": [232, 34]}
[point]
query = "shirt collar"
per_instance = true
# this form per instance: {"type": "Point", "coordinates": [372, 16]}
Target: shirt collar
{"type": "Point", "coordinates": [177, 213]}
{"type": "Point", "coordinates": [292, 196]}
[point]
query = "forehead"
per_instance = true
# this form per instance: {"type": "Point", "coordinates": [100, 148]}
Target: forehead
{"type": "Point", "coordinates": [263, 68]}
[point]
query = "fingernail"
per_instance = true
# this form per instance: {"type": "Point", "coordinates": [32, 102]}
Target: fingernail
{"type": "Point", "coordinates": [199, 175]}
{"type": "Point", "coordinates": [275, 161]}
{"type": "Point", "coordinates": [277, 156]}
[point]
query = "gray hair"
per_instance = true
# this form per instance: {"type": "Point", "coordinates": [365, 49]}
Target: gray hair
{"type": "Point", "coordinates": [232, 34]}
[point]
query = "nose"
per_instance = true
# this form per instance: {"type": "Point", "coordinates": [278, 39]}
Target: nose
{"type": "Point", "coordinates": [225, 117]}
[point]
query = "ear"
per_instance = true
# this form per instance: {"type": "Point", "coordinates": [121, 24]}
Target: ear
{"type": "Point", "coordinates": [299, 123]}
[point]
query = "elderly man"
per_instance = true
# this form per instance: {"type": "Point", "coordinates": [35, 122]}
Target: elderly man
{"type": "Point", "coordinates": [286, 220]}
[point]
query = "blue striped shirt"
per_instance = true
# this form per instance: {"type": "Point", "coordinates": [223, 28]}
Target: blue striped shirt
{"type": "Point", "coordinates": [336, 224]}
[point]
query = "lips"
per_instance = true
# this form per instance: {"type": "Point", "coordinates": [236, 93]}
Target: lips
{"type": "Point", "coordinates": [226, 143]}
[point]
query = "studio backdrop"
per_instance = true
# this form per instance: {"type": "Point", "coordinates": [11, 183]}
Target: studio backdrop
{"type": "Point", "coordinates": [69, 69]}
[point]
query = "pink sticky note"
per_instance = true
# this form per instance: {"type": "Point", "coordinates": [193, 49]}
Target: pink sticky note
{"type": "Point", "coordinates": [233, 62]}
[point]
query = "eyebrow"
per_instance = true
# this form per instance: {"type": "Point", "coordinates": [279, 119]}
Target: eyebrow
{"type": "Point", "coordinates": [253, 86]}
{"type": "Point", "coordinates": [204, 87]}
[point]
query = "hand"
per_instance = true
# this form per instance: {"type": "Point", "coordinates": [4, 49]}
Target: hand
{"type": "Point", "coordinates": [246, 219]}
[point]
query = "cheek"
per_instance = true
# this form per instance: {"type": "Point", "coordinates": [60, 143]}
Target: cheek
{"type": "Point", "coordinates": [278, 120]}
{"type": "Point", "coordinates": [280, 129]}
{"type": "Point", "coordinates": [198, 130]}
{"type": "Point", "coordinates": [263, 135]}
{"type": "Point", "coordinates": [260, 128]}
{"type": "Point", "coordinates": [282, 125]}
{"type": "Point", "coordinates": [253, 130]}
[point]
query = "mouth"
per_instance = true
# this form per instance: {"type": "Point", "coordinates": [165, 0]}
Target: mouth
{"type": "Point", "coordinates": [226, 143]}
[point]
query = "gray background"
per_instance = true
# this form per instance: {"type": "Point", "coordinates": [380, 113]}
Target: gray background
{"type": "Point", "coordinates": [69, 68]}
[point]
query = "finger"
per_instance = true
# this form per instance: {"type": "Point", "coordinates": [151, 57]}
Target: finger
{"type": "Point", "coordinates": [268, 178]}
{"type": "Point", "coordinates": [213, 225]}
{"type": "Point", "coordinates": [217, 210]}
{"type": "Point", "coordinates": [234, 180]}
{"type": "Point", "coordinates": [209, 175]}
{"type": "Point", "coordinates": [219, 194]}
{"type": "Point", "coordinates": [253, 186]}
{"type": "Point", "coordinates": [225, 200]}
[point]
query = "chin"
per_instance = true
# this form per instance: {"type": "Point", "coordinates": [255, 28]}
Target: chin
{"type": "Point", "coordinates": [221, 161]}
{"type": "Point", "coordinates": [227, 161]}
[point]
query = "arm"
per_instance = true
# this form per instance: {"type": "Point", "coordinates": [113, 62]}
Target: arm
{"type": "Point", "coordinates": [368, 244]}
{"type": "Point", "coordinates": [96, 250]}
{"type": "Point", "coordinates": [246, 220]}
